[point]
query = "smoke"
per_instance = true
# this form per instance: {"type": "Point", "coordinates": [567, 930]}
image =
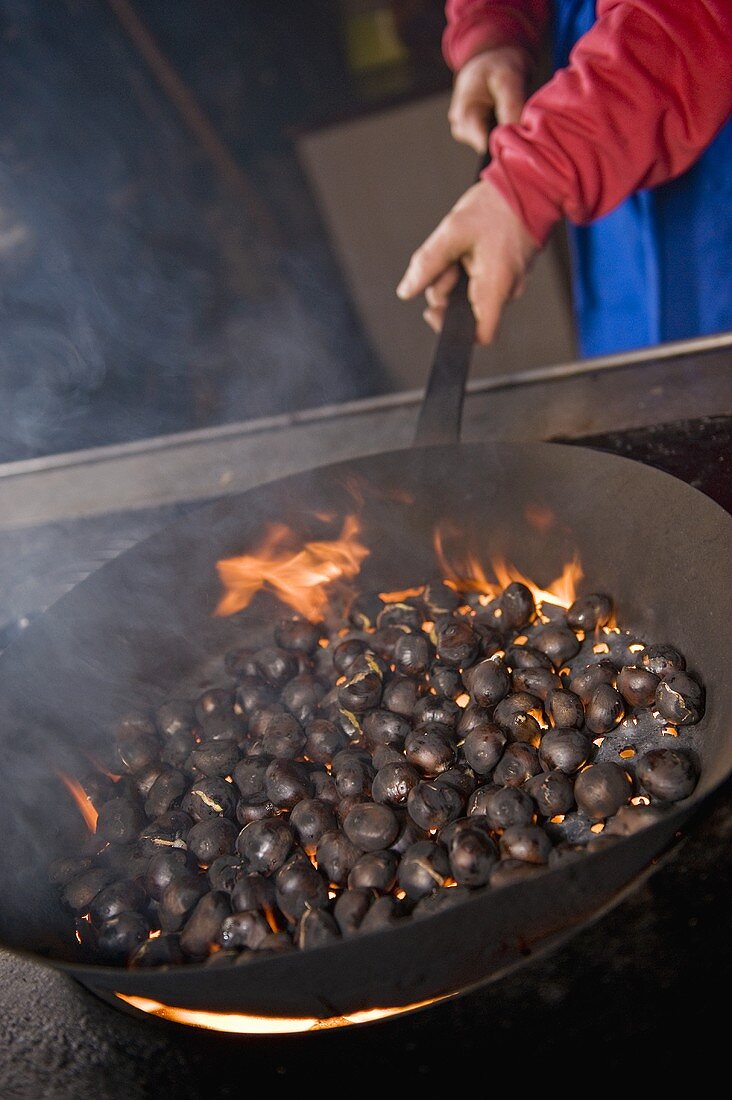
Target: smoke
{"type": "Point", "coordinates": [135, 298]}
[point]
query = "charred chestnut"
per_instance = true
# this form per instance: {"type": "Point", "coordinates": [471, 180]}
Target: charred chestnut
{"type": "Point", "coordinates": [565, 709]}
{"type": "Point", "coordinates": [365, 610]}
{"type": "Point", "coordinates": [215, 758]}
{"type": "Point", "coordinates": [118, 897]}
{"type": "Point", "coordinates": [384, 727]}
{"type": "Point", "coordinates": [401, 695]}
{"type": "Point", "coordinates": [472, 856]}
{"type": "Point", "coordinates": [517, 606]}
{"type": "Point", "coordinates": [487, 682]}
{"type": "Point", "coordinates": [434, 709]}
{"type": "Point", "coordinates": [253, 693]}
{"type": "Point", "coordinates": [299, 887]}
{"type": "Point", "coordinates": [225, 872]}
{"type": "Point", "coordinates": [240, 663]}
{"type": "Point", "coordinates": [371, 826]}
{"type": "Point", "coordinates": [529, 843]}
{"type": "Point", "coordinates": [310, 819]}
{"type": "Point", "coordinates": [265, 844]}
{"type": "Point", "coordinates": [212, 838]}
{"type": "Point", "coordinates": [120, 820]}
{"type": "Point", "coordinates": [302, 695]}
{"type": "Point", "coordinates": [253, 892]}
{"type": "Point", "coordinates": [502, 806]}
{"type": "Point", "coordinates": [590, 612]}
{"type": "Point", "coordinates": [161, 951]}
{"type": "Point", "coordinates": [246, 929]}
{"type": "Point", "coordinates": [165, 792]}
{"type": "Point", "coordinates": [119, 937]}
{"type": "Point", "coordinates": [336, 856]}
{"type": "Point", "coordinates": [316, 928]}
{"type": "Point", "coordinates": [174, 716]}
{"type": "Point", "coordinates": [553, 792]}
{"type": "Point", "coordinates": [601, 790]}
{"type": "Point", "coordinates": [527, 656]}
{"type": "Point", "coordinates": [605, 709]}
{"type": "Point", "coordinates": [323, 740]}
{"type": "Point", "coordinates": [287, 783]}
{"type": "Point", "coordinates": [438, 599]}
{"type": "Point", "coordinates": [284, 738]}
{"type": "Point", "coordinates": [210, 798]}
{"type": "Point", "coordinates": [432, 805]}
{"type": "Point", "coordinates": [362, 691]}
{"type": "Point", "coordinates": [457, 644]}
{"type": "Point", "coordinates": [518, 763]}
{"type": "Point", "coordinates": [373, 871]}
{"type": "Point", "coordinates": [584, 682]}
{"type": "Point", "coordinates": [202, 928]}
{"type": "Point", "coordinates": [167, 831]}
{"type": "Point", "coordinates": [393, 782]}
{"type": "Point", "coordinates": [429, 750]}
{"type": "Point", "coordinates": [137, 752]}
{"type": "Point", "coordinates": [424, 867]}
{"type": "Point", "coordinates": [564, 749]}
{"type": "Point", "coordinates": [298, 635]}
{"type": "Point", "coordinates": [179, 899]}
{"type": "Point", "coordinates": [680, 699]}
{"type": "Point", "coordinates": [346, 653]}
{"type": "Point", "coordinates": [350, 909]}
{"type": "Point", "coordinates": [402, 614]}
{"type": "Point", "coordinates": [668, 774]}
{"type": "Point", "coordinates": [637, 685]}
{"type": "Point", "coordinates": [557, 642]}
{"type": "Point", "coordinates": [535, 681]}
{"type": "Point", "coordinates": [663, 660]}
{"type": "Point", "coordinates": [446, 680]}
{"type": "Point", "coordinates": [275, 665]}
{"type": "Point", "coordinates": [483, 747]}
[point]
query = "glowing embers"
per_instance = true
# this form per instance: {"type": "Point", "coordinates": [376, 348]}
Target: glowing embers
{"type": "Point", "coordinates": [244, 1024]}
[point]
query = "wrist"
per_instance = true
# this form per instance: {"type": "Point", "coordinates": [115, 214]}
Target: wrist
{"type": "Point", "coordinates": [536, 211]}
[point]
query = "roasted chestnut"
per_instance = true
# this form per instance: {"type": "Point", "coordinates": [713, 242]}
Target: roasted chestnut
{"type": "Point", "coordinates": [668, 774]}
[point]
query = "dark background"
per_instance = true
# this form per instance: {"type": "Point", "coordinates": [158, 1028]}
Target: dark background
{"type": "Point", "coordinates": [145, 287]}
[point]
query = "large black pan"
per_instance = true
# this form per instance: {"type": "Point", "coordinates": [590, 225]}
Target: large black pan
{"type": "Point", "coordinates": [141, 625]}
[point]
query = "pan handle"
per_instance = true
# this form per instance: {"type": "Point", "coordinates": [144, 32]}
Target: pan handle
{"type": "Point", "coordinates": [441, 414]}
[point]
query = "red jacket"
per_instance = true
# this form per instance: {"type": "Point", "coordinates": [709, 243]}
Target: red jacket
{"type": "Point", "coordinates": [644, 93]}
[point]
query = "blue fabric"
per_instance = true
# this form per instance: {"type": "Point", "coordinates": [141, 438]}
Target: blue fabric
{"type": "Point", "coordinates": [658, 266]}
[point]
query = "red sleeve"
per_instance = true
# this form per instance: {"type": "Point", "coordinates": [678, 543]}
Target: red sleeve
{"type": "Point", "coordinates": [477, 25]}
{"type": "Point", "coordinates": [644, 93]}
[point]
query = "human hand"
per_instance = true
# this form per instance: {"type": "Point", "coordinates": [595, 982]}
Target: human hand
{"type": "Point", "coordinates": [483, 233]}
{"type": "Point", "coordinates": [491, 82]}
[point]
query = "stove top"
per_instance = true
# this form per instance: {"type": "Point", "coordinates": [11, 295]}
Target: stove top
{"type": "Point", "coordinates": [628, 987]}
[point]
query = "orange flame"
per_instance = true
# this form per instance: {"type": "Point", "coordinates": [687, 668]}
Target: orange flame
{"type": "Point", "coordinates": [402, 594]}
{"type": "Point", "coordinates": [469, 574]}
{"type": "Point", "coordinates": [82, 800]}
{"type": "Point", "coordinates": [300, 578]}
{"type": "Point", "coordinates": [245, 1024]}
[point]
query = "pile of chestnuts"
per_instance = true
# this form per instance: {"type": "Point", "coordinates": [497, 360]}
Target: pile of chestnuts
{"type": "Point", "coordinates": [334, 783]}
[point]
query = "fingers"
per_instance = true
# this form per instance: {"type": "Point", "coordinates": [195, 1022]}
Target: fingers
{"type": "Point", "coordinates": [438, 293]}
{"type": "Point", "coordinates": [439, 252]}
{"type": "Point", "coordinates": [508, 92]}
{"type": "Point", "coordinates": [434, 318]}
